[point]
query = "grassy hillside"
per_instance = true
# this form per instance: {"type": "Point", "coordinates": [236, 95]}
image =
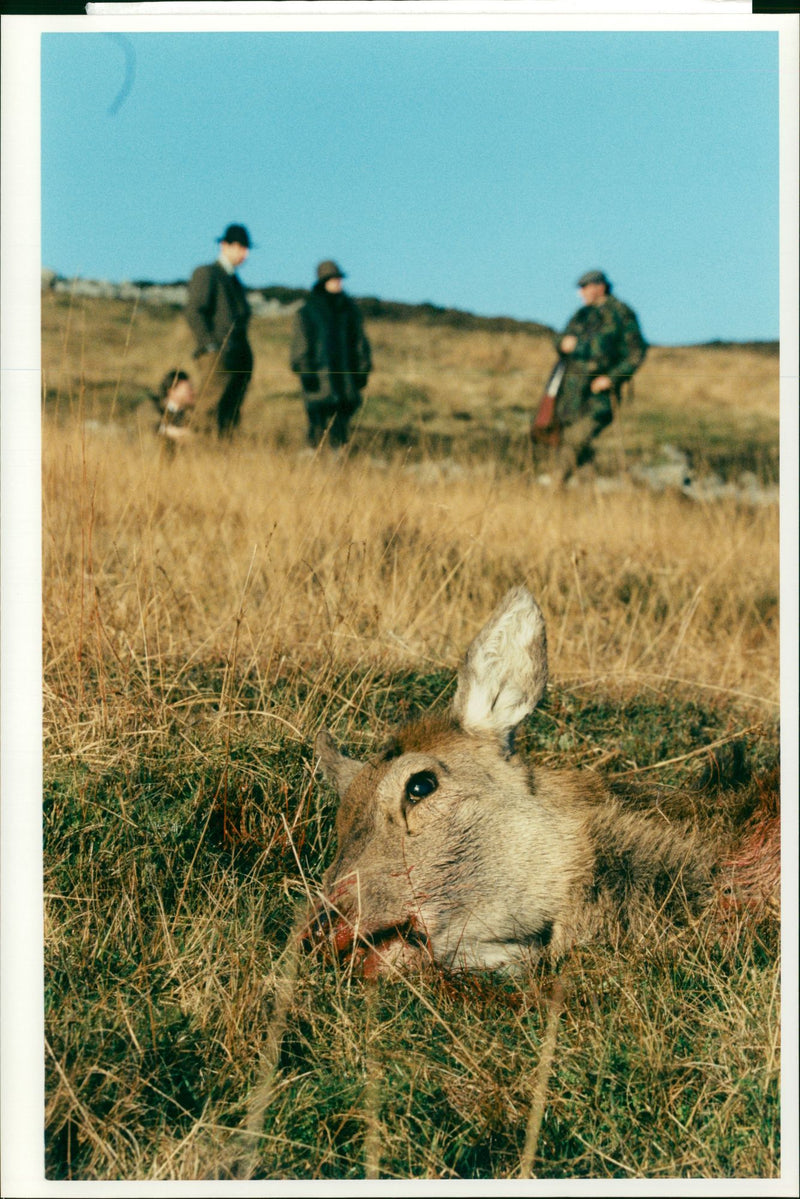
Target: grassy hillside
{"type": "Point", "coordinates": [437, 387]}
{"type": "Point", "coordinates": [204, 614]}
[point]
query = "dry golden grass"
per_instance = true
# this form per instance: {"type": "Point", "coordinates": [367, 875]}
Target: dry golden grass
{"type": "Point", "coordinates": [204, 613]}
{"type": "Point", "coordinates": [351, 562]}
{"type": "Point", "coordinates": [369, 559]}
{"type": "Point", "coordinates": [102, 358]}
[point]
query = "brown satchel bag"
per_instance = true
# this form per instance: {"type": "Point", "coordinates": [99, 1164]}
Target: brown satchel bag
{"type": "Point", "coordinates": [545, 426]}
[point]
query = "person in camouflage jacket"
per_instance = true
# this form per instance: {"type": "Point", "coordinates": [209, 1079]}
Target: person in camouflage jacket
{"type": "Point", "coordinates": [603, 347]}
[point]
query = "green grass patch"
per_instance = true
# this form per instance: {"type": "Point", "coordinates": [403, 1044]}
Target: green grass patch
{"type": "Point", "coordinates": [173, 873]}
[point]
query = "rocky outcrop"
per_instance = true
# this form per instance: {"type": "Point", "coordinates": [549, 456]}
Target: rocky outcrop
{"type": "Point", "coordinates": [169, 294]}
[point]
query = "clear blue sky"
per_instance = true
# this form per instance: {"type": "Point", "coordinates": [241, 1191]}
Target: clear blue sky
{"type": "Point", "coordinates": [483, 171]}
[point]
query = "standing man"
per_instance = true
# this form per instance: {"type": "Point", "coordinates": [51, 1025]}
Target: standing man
{"type": "Point", "coordinates": [603, 347]}
{"type": "Point", "coordinates": [218, 314]}
{"type": "Point", "coordinates": [331, 354]}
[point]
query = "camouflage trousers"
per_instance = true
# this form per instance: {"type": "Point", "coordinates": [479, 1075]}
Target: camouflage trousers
{"type": "Point", "coordinates": [577, 442]}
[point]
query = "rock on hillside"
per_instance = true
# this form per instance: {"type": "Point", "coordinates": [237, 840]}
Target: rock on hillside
{"type": "Point", "coordinates": [173, 294]}
{"type": "Point", "coordinates": [281, 301]}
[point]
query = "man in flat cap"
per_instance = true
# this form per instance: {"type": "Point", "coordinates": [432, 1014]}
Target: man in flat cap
{"type": "Point", "coordinates": [331, 354]}
{"type": "Point", "coordinates": [218, 314]}
{"type": "Point", "coordinates": [603, 346]}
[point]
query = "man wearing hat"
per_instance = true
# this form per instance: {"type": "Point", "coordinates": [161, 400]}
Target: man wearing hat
{"type": "Point", "coordinates": [603, 347]}
{"type": "Point", "coordinates": [331, 354]}
{"type": "Point", "coordinates": [218, 314]}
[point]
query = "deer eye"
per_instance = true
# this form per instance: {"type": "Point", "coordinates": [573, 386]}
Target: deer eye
{"type": "Point", "coordinates": [420, 785]}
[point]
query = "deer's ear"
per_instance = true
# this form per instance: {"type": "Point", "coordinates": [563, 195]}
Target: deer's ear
{"type": "Point", "coordinates": [337, 768]}
{"type": "Point", "coordinates": [504, 672]}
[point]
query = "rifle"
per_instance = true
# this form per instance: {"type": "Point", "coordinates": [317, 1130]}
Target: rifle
{"type": "Point", "coordinates": [545, 426]}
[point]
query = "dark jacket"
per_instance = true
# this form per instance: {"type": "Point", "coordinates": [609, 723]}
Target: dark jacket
{"type": "Point", "coordinates": [610, 342]}
{"type": "Point", "coordinates": [330, 351]}
{"type": "Point", "coordinates": [218, 313]}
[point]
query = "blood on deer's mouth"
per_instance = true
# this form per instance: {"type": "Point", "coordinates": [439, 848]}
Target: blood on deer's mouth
{"type": "Point", "coordinates": [372, 950]}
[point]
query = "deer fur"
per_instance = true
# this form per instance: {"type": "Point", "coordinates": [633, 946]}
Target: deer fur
{"type": "Point", "coordinates": [452, 847]}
